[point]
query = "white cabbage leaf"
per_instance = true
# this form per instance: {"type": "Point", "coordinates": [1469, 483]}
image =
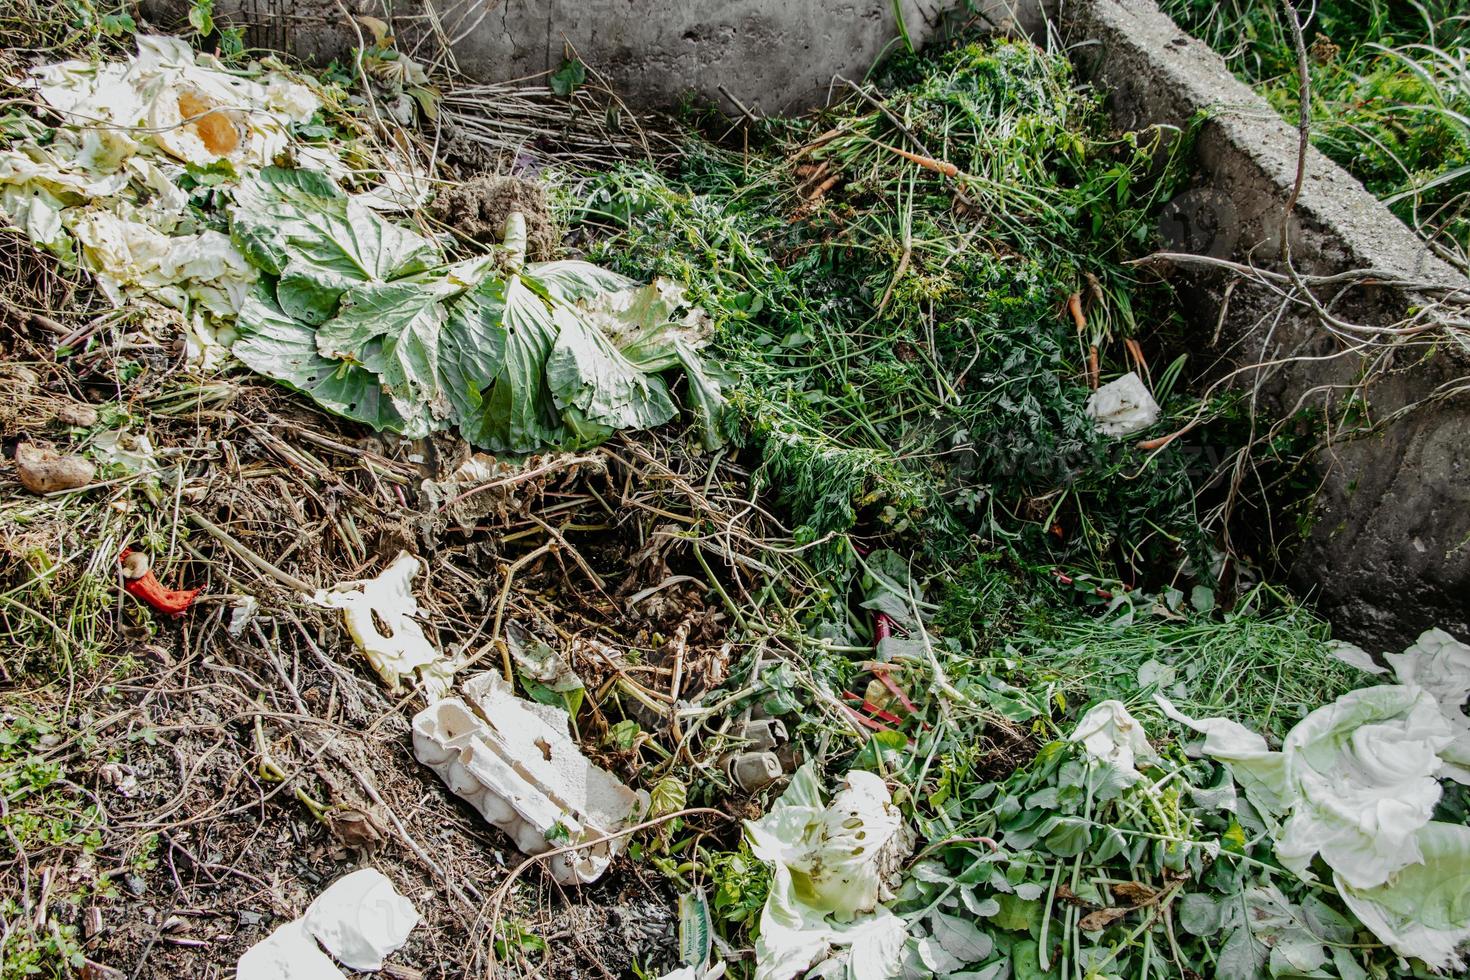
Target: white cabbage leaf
{"type": "Point", "coordinates": [1358, 781]}
{"type": "Point", "coordinates": [1260, 772]}
{"type": "Point", "coordinates": [104, 192]}
{"type": "Point", "coordinates": [1440, 664]}
{"type": "Point", "coordinates": [830, 863]}
{"type": "Point", "coordinates": [1112, 736]}
{"type": "Point", "coordinates": [1423, 910]}
{"type": "Point", "coordinates": [1363, 772]}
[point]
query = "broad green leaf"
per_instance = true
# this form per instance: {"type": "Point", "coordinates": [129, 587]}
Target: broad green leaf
{"type": "Point", "coordinates": [279, 347]}
{"type": "Point", "coordinates": [574, 281]}
{"type": "Point", "coordinates": [472, 354]}
{"type": "Point", "coordinates": [299, 226]}
{"type": "Point", "coordinates": [392, 330]}
{"type": "Point", "coordinates": [1348, 968]}
{"type": "Point", "coordinates": [1201, 914]}
{"type": "Point", "coordinates": [569, 76]}
{"type": "Point", "coordinates": [1241, 957]}
{"type": "Point", "coordinates": [995, 971]}
{"type": "Point", "coordinates": [667, 796]}
{"type": "Point", "coordinates": [706, 396]}
{"type": "Point", "coordinates": [1017, 914]}
{"type": "Point", "coordinates": [510, 409]}
{"type": "Point", "coordinates": [507, 353]}
{"type": "Point", "coordinates": [624, 734]}
{"type": "Point", "coordinates": [982, 908]}
{"type": "Point", "coordinates": [1112, 844]}
{"type": "Point", "coordinates": [1026, 961]}
{"type": "Point", "coordinates": [1282, 928]}
{"type": "Point", "coordinates": [882, 753]}
{"type": "Point", "coordinates": [1069, 837]}
{"type": "Point", "coordinates": [960, 938]}
{"type": "Point", "coordinates": [936, 958]}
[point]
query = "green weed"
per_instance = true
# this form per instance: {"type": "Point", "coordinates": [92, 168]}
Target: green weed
{"type": "Point", "coordinates": [899, 343]}
{"type": "Point", "coordinates": [1390, 89]}
{"type": "Point", "coordinates": [44, 812]}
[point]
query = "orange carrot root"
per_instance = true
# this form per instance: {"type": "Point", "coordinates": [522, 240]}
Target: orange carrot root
{"type": "Point", "coordinates": [1074, 306]}
{"type": "Point", "coordinates": [823, 188]}
{"type": "Point", "coordinates": [1136, 352]}
{"type": "Point", "coordinates": [928, 163]}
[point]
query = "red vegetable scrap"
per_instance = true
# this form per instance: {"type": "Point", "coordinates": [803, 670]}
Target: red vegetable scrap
{"type": "Point", "coordinates": [140, 582]}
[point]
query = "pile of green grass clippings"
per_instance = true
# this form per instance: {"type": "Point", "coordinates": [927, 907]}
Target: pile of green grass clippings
{"type": "Point", "coordinates": [891, 288]}
{"type": "Point", "coordinates": [900, 340]}
{"type": "Point", "coordinates": [1390, 87]}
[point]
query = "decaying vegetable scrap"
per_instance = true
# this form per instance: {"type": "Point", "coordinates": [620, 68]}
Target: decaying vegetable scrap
{"type": "Point", "coordinates": [163, 183]}
{"type": "Point", "coordinates": [140, 581]}
{"type": "Point", "coordinates": [398, 649]}
{"type": "Point", "coordinates": [1356, 783]}
{"type": "Point", "coordinates": [1123, 407]}
{"type": "Point", "coordinates": [369, 319]}
{"type": "Point", "coordinates": [832, 863]}
{"type": "Point", "coordinates": [106, 190]}
{"type": "Point", "coordinates": [41, 469]}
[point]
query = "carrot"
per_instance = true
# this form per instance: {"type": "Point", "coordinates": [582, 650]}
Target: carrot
{"type": "Point", "coordinates": [823, 188]}
{"type": "Point", "coordinates": [1148, 445]}
{"type": "Point", "coordinates": [928, 163]}
{"type": "Point", "coordinates": [1074, 306]}
{"type": "Point", "coordinates": [1094, 375]}
{"type": "Point", "coordinates": [1136, 352]}
{"type": "Point", "coordinates": [1160, 442]}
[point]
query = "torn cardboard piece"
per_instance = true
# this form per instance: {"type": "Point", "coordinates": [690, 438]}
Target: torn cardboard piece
{"type": "Point", "coordinates": [516, 763]}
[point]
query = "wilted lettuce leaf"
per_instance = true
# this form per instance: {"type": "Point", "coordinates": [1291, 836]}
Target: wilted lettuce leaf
{"type": "Point", "coordinates": [1358, 781]}
{"type": "Point", "coordinates": [575, 281]}
{"type": "Point", "coordinates": [827, 864]}
{"type": "Point", "coordinates": [594, 383]}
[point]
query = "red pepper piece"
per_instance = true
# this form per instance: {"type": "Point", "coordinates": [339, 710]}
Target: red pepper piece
{"type": "Point", "coordinates": [150, 590]}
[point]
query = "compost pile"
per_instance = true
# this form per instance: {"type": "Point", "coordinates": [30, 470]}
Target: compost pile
{"type": "Point", "coordinates": [812, 559]}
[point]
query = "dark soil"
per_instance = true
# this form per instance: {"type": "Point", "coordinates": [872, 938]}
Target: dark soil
{"type": "Point", "coordinates": [478, 207]}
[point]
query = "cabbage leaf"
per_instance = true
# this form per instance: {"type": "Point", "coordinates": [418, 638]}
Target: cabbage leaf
{"type": "Point", "coordinates": [829, 864]}
{"type": "Point", "coordinates": [517, 357]}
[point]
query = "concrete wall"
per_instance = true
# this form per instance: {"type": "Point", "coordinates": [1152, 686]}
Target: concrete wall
{"type": "Point", "coordinates": [773, 56]}
{"type": "Point", "coordinates": [1388, 552]}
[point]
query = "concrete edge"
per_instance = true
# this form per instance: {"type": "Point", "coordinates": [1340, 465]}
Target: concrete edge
{"type": "Point", "coordinates": [1387, 550]}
